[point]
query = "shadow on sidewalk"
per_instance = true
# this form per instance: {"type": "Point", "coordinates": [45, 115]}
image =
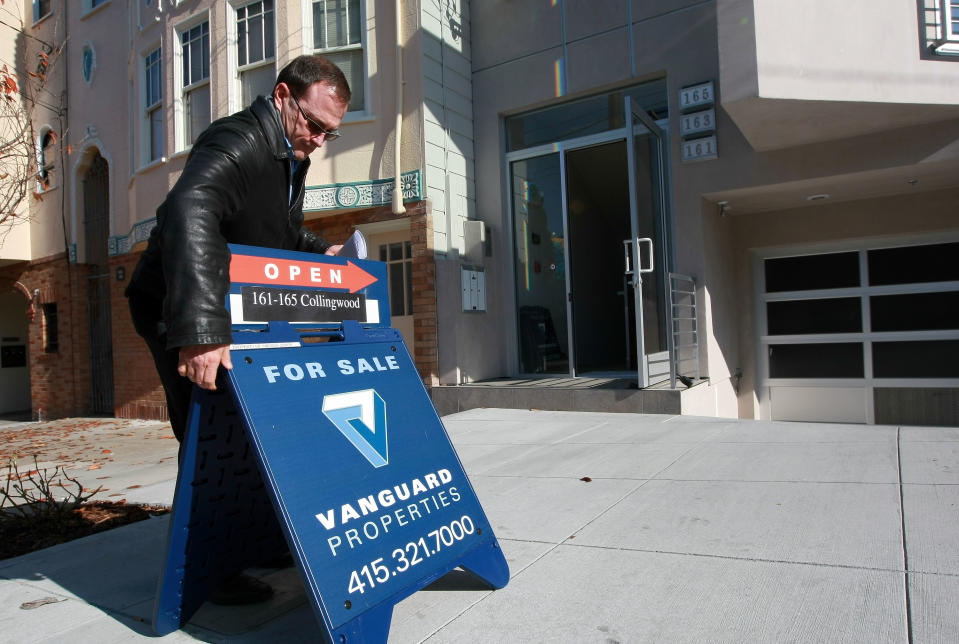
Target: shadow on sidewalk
{"type": "Point", "coordinates": [113, 571]}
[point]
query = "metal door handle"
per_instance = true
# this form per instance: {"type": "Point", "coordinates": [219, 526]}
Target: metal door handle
{"type": "Point", "coordinates": [639, 260]}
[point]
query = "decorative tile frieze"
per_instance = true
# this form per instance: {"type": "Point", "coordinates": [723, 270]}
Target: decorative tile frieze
{"type": "Point", "coordinates": [121, 244]}
{"type": "Point", "coordinates": [360, 194]}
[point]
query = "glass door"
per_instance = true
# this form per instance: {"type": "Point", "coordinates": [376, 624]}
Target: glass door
{"type": "Point", "coordinates": [540, 259]}
{"type": "Point", "coordinates": [646, 260]}
{"type": "Point", "coordinates": [598, 219]}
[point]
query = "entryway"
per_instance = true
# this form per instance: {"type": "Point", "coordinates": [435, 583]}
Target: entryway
{"type": "Point", "coordinates": [591, 240]}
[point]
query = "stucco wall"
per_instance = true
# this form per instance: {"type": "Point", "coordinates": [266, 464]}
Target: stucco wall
{"type": "Point", "coordinates": [363, 153]}
{"type": "Point", "coordinates": [518, 65]}
{"type": "Point", "coordinates": [856, 50]}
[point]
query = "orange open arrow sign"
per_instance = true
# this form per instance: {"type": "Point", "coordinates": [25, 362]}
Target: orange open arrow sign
{"type": "Point", "coordinates": [250, 269]}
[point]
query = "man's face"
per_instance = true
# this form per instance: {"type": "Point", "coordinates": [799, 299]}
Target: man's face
{"type": "Point", "coordinates": [318, 104]}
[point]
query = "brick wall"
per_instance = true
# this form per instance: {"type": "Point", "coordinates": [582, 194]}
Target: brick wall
{"type": "Point", "coordinates": [137, 392]}
{"type": "Point", "coordinates": [338, 228]}
{"type": "Point", "coordinates": [59, 381]}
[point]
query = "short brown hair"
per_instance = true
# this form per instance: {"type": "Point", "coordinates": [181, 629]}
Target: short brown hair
{"type": "Point", "coordinates": [303, 71]}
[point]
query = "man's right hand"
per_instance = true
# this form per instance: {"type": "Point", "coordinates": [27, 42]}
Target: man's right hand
{"type": "Point", "coordinates": [200, 363]}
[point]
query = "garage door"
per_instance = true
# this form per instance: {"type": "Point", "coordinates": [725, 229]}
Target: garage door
{"type": "Point", "coordinates": [868, 335]}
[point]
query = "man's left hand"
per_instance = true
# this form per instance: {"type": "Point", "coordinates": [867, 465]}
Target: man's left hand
{"type": "Point", "coordinates": [334, 250]}
{"type": "Point", "coordinates": [200, 363]}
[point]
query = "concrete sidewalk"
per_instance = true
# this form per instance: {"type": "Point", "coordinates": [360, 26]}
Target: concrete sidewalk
{"type": "Point", "coordinates": [617, 528]}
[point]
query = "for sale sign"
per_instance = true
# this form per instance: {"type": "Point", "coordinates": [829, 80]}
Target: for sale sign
{"type": "Point", "coordinates": [331, 446]}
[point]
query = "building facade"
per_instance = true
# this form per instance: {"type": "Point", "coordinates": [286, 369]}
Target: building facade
{"type": "Point", "coordinates": [754, 205]}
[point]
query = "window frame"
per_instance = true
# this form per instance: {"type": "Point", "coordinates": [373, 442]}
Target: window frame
{"type": "Point", "coordinates": [236, 100]}
{"type": "Point", "coordinates": [149, 108]}
{"type": "Point", "coordinates": [37, 17]}
{"type": "Point", "coordinates": [89, 6]}
{"type": "Point", "coordinates": [362, 46]}
{"type": "Point", "coordinates": [182, 142]}
{"type": "Point", "coordinates": [947, 28]}
{"type": "Point", "coordinates": [44, 164]}
{"type": "Point", "coordinates": [50, 328]}
{"type": "Point", "coordinates": [406, 262]}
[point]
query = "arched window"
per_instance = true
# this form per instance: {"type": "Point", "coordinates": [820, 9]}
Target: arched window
{"type": "Point", "coordinates": [46, 160]}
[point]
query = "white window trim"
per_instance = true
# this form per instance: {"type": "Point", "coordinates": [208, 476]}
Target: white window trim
{"type": "Point", "coordinates": [235, 90]}
{"type": "Point", "coordinates": [144, 110]}
{"type": "Point", "coordinates": [177, 102]}
{"type": "Point", "coordinates": [356, 115]}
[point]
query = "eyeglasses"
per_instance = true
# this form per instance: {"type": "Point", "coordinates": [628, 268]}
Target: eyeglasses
{"type": "Point", "coordinates": [315, 128]}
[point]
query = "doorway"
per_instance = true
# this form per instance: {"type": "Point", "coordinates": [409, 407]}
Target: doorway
{"type": "Point", "coordinates": [591, 255]}
{"type": "Point", "coordinates": [96, 223]}
{"type": "Point", "coordinates": [603, 311]}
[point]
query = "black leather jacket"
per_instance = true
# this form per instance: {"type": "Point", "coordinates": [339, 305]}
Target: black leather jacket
{"type": "Point", "coordinates": [235, 188]}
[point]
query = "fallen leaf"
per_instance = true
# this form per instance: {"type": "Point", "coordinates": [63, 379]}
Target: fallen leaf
{"type": "Point", "coordinates": [106, 451]}
{"type": "Point", "coordinates": [95, 466]}
{"type": "Point", "coordinates": [133, 487]}
{"type": "Point", "coordinates": [586, 479]}
{"type": "Point", "coordinates": [43, 601]}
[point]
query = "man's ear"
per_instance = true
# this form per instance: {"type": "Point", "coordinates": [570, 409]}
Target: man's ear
{"type": "Point", "coordinates": [281, 91]}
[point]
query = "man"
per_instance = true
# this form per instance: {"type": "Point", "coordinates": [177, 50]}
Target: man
{"type": "Point", "coordinates": [243, 183]}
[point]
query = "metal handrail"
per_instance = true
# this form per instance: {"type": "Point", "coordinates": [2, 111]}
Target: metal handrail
{"type": "Point", "coordinates": [684, 330]}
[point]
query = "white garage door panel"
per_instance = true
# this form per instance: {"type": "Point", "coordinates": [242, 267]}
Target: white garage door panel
{"type": "Point", "coordinates": [818, 404]}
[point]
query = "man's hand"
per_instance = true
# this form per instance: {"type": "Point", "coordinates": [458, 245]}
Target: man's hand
{"type": "Point", "coordinates": [334, 250]}
{"type": "Point", "coordinates": [199, 363]}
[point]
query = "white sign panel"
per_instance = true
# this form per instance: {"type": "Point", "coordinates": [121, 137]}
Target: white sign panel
{"type": "Point", "coordinates": [696, 96]}
{"type": "Point", "coordinates": [700, 149]}
{"type": "Point", "coordinates": [697, 122]}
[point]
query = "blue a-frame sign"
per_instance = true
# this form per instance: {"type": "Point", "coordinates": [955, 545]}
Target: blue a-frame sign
{"type": "Point", "coordinates": [321, 439]}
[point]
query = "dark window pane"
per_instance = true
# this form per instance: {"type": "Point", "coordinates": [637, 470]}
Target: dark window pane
{"type": "Point", "coordinates": [409, 286]}
{"type": "Point", "coordinates": [833, 360]}
{"type": "Point", "coordinates": [206, 50]}
{"type": "Point", "coordinates": [397, 297]}
{"type": "Point", "coordinates": [396, 251]}
{"type": "Point", "coordinates": [918, 359]}
{"type": "Point", "coordinates": [812, 272]}
{"type": "Point", "coordinates": [354, 10]}
{"type": "Point", "coordinates": [382, 252]}
{"type": "Point", "coordinates": [351, 64]}
{"type": "Point", "coordinates": [319, 25]}
{"type": "Point", "coordinates": [241, 40]}
{"type": "Point", "coordinates": [51, 329]}
{"type": "Point", "coordinates": [581, 117]}
{"type": "Point", "coordinates": [914, 264]}
{"type": "Point", "coordinates": [915, 311]}
{"type": "Point", "coordinates": [156, 134]}
{"type": "Point", "coordinates": [836, 315]}
{"type": "Point", "coordinates": [269, 40]}
{"type": "Point", "coordinates": [256, 38]}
